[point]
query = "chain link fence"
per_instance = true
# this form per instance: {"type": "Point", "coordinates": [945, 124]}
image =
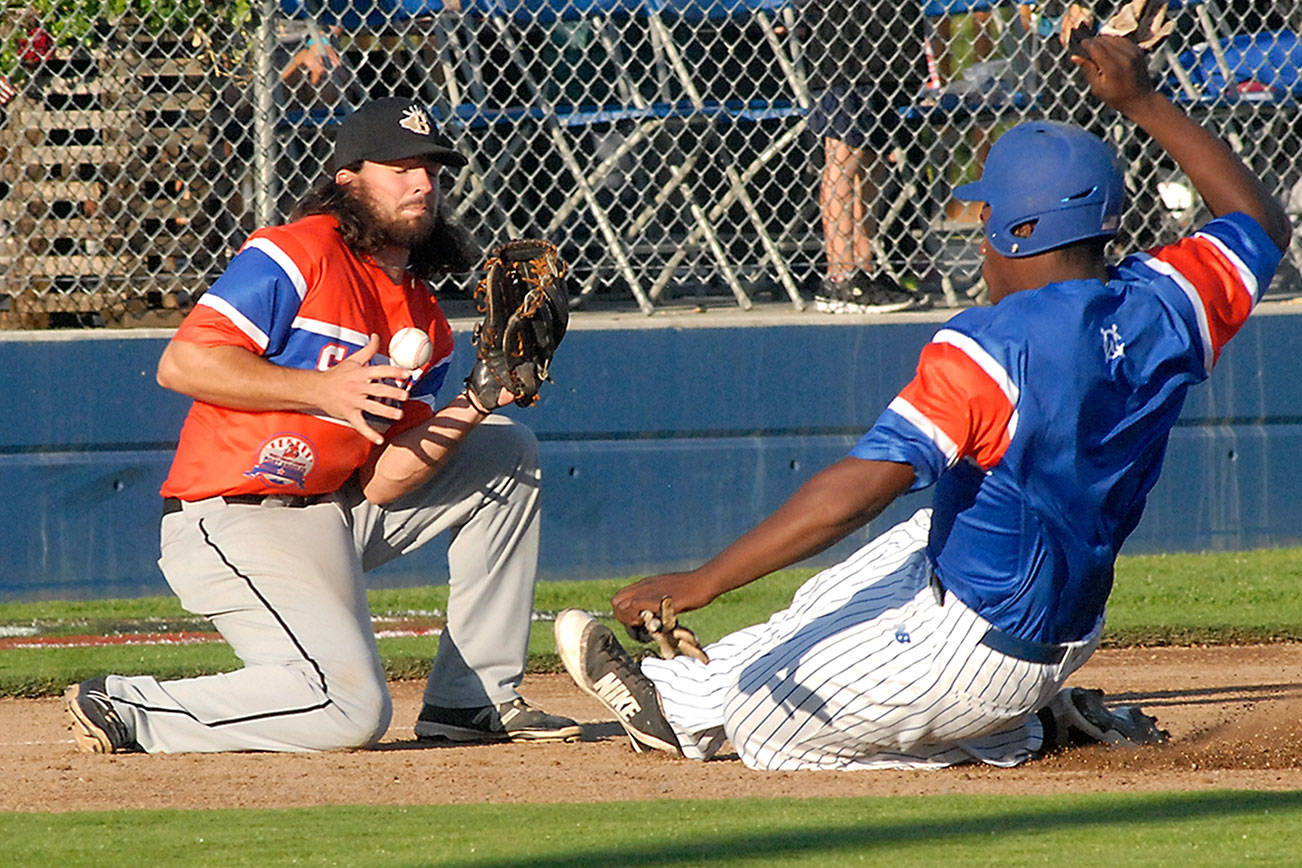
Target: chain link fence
{"type": "Point", "coordinates": [681, 151]}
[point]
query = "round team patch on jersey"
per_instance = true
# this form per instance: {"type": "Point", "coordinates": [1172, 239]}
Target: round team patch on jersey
{"type": "Point", "coordinates": [285, 459]}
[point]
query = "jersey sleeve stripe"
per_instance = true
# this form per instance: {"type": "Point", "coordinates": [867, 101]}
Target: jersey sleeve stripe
{"type": "Point", "coordinates": [984, 360]}
{"type": "Point", "coordinates": [239, 320]}
{"type": "Point", "coordinates": [1246, 277]}
{"type": "Point", "coordinates": [986, 363]}
{"type": "Point", "coordinates": [334, 331]}
{"type": "Point", "coordinates": [929, 429]}
{"type": "Point", "coordinates": [282, 259]}
{"type": "Point", "coordinates": [1195, 301]}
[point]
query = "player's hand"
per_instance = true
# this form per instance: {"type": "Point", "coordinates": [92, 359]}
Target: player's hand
{"type": "Point", "coordinates": [687, 590]}
{"type": "Point", "coordinates": [1116, 70]}
{"type": "Point", "coordinates": [354, 388]}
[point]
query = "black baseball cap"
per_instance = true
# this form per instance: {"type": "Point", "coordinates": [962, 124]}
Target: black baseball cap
{"type": "Point", "coordinates": [391, 129]}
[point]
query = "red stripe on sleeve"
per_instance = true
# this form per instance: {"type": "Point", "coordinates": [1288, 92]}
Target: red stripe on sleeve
{"type": "Point", "coordinates": [961, 400]}
{"type": "Point", "coordinates": [210, 328]}
{"type": "Point", "coordinates": [1226, 301]}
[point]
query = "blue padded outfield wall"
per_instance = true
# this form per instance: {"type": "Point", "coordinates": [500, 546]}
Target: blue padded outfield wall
{"type": "Point", "coordinates": [661, 442]}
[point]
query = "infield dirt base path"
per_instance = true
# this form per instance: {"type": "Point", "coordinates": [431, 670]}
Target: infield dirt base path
{"type": "Point", "coordinates": [1234, 714]}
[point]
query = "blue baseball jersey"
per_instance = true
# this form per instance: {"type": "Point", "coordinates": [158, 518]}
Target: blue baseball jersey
{"type": "Point", "coordinates": [1042, 422]}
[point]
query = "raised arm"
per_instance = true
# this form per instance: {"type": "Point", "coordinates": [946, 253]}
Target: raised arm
{"type": "Point", "coordinates": [1117, 72]}
{"type": "Point", "coordinates": [832, 504]}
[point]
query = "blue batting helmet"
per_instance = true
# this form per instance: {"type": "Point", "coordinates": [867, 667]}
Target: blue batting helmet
{"type": "Point", "coordinates": [1058, 175]}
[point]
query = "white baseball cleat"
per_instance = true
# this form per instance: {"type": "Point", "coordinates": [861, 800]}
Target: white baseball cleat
{"type": "Point", "coordinates": [600, 665]}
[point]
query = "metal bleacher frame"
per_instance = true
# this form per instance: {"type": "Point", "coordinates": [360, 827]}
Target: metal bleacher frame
{"type": "Point", "coordinates": [1207, 78]}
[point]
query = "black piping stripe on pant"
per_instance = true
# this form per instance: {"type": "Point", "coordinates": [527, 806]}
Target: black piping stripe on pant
{"type": "Point", "coordinates": [279, 620]}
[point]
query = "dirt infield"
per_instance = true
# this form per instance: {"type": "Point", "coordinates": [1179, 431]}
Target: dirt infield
{"type": "Point", "coordinates": [1234, 714]}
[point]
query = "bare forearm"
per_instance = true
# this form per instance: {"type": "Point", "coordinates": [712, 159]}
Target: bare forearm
{"type": "Point", "coordinates": [234, 377]}
{"type": "Point", "coordinates": [822, 512]}
{"type": "Point", "coordinates": [230, 376]}
{"type": "Point", "coordinates": [827, 508]}
{"type": "Point", "coordinates": [414, 457]}
{"type": "Point", "coordinates": [1225, 183]}
{"type": "Point", "coordinates": [1117, 73]}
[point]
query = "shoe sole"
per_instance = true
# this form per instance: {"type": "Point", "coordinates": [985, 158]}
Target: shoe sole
{"type": "Point", "coordinates": [823, 305]}
{"type": "Point", "coordinates": [89, 737]}
{"type": "Point", "coordinates": [442, 732]}
{"type": "Point", "coordinates": [570, 629]}
{"type": "Point", "coordinates": [568, 734]}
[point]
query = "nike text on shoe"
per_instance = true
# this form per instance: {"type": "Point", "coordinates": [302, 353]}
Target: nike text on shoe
{"type": "Point", "coordinates": [600, 665]}
{"type": "Point", "coordinates": [95, 725]}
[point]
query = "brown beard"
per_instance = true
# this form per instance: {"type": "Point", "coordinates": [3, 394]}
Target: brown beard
{"type": "Point", "coordinates": [445, 247]}
{"type": "Point", "coordinates": [396, 231]}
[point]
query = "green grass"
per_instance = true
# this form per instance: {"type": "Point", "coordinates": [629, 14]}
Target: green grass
{"type": "Point", "coordinates": [1213, 598]}
{"type": "Point", "coordinates": [1204, 828]}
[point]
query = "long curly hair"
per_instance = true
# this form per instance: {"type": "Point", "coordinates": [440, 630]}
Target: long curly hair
{"type": "Point", "coordinates": [448, 249]}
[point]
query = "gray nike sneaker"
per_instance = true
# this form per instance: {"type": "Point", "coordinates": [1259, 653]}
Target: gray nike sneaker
{"type": "Point", "coordinates": [600, 665]}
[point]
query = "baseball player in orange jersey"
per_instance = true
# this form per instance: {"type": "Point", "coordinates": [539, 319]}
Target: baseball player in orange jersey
{"type": "Point", "coordinates": [308, 458]}
{"type": "Point", "coordinates": [1041, 422]}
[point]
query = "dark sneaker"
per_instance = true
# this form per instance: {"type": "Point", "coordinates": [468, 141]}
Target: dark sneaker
{"type": "Point", "coordinates": [864, 294]}
{"type": "Point", "coordinates": [1077, 716]}
{"type": "Point", "coordinates": [95, 725]}
{"type": "Point", "coordinates": [600, 665]}
{"type": "Point", "coordinates": [516, 720]}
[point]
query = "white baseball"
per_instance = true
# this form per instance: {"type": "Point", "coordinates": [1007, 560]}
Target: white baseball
{"type": "Point", "coordinates": [410, 348]}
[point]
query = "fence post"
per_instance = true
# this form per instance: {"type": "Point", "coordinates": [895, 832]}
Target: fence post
{"type": "Point", "coordinates": [263, 121]}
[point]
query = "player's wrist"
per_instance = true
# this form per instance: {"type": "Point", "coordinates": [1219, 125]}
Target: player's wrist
{"type": "Point", "coordinates": [475, 404]}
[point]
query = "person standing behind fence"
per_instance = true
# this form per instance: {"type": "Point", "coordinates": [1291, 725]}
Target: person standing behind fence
{"type": "Point", "coordinates": [864, 59]}
{"type": "Point", "coordinates": [307, 459]}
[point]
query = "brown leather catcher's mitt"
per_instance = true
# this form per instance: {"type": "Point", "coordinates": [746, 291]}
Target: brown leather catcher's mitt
{"type": "Point", "coordinates": [525, 300]}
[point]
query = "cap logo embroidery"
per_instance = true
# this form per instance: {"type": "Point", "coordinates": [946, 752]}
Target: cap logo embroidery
{"type": "Point", "coordinates": [415, 120]}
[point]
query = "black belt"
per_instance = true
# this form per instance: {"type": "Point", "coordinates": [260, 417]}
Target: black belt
{"type": "Point", "coordinates": [1007, 643]}
{"type": "Point", "coordinates": [1023, 649]}
{"type": "Point", "coordinates": [293, 501]}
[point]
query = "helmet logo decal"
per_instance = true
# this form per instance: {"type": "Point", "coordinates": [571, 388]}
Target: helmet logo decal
{"type": "Point", "coordinates": [415, 120]}
{"type": "Point", "coordinates": [1113, 347]}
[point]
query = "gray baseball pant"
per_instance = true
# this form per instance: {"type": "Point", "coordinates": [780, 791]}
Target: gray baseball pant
{"type": "Point", "coordinates": [284, 587]}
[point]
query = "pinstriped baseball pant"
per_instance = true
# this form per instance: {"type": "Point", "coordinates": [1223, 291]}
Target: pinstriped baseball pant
{"type": "Point", "coordinates": [865, 670]}
{"type": "Point", "coordinates": [285, 588]}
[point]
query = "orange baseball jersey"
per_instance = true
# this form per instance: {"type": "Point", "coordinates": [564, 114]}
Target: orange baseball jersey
{"type": "Point", "coordinates": [300, 297]}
